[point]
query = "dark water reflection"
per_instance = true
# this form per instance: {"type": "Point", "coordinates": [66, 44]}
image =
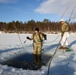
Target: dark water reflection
{"type": "Point", "coordinates": [26, 61]}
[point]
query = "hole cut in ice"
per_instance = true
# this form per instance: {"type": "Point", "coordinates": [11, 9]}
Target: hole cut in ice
{"type": "Point", "coordinates": [27, 61]}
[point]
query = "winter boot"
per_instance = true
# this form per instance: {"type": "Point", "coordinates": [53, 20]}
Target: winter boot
{"type": "Point", "coordinates": [39, 58]}
{"type": "Point", "coordinates": [61, 47]}
{"type": "Point", "coordinates": [35, 58]}
{"type": "Point", "coordinates": [66, 47]}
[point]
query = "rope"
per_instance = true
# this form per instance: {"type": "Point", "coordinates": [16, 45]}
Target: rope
{"type": "Point", "coordinates": [49, 63]}
{"type": "Point", "coordinates": [71, 13]}
{"type": "Point", "coordinates": [60, 18]}
{"type": "Point", "coordinates": [18, 36]}
{"type": "Point", "coordinates": [64, 12]}
{"type": "Point", "coordinates": [54, 39]}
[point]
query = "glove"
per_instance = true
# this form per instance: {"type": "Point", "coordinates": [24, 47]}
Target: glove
{"type": "Point", "coordinates": [27, 37]}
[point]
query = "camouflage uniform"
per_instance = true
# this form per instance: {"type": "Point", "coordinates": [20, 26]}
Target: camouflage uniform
{"type": "Point", "coordinates": [64, 34]}
{"type": "Point", "coordinates": [64, 27]}
{"type": "Point", "coordinates": [37, 40]}
{"type": "Point", "coordinates": [37, 46]}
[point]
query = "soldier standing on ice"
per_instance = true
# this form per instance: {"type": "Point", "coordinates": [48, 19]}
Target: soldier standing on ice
{"type": "Point", "coordinates": [64, 35]}
{"type": "Point", "coordinates": [37, 38]}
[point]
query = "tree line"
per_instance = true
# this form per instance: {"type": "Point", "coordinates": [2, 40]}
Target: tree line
{"type": "Point", "coordinates": [29, 26]}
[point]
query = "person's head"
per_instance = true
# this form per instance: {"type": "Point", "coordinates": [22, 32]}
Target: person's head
{"type": "Point", "coordinates": [36, 30]}
{"type": "Point", "coordinates": [62, 20]}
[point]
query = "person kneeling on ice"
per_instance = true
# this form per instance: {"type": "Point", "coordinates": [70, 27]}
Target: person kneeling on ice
{"type": "Point", "coordinates": [37, 38]}
{"type": "Point", "coordinates": [64, 34]}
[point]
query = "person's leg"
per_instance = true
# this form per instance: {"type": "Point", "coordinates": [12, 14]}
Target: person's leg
{"type": "Point", "coordinates": [35, 53]}
{"type": "Point", "coordinates": [39, 48]}
{"type": "Point", "coordinates": [62, 41]}
{"type": "Point", "coordinates": [39, 52]}
{"type": "Point", "coordinates": [66, 42]}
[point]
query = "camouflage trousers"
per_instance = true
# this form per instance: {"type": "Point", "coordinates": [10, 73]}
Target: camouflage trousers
{"type": "Point", "coordinates": [37, 52]}
{"type": "Point", "coordinates": [37, 48]}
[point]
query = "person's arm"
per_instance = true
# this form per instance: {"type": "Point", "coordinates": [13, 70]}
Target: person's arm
{"type": "Point", "coordinates": [30, 38]}
{"type": "Point", "coordinates": [67, 28]}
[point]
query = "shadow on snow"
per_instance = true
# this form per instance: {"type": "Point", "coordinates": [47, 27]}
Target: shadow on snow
{"type": "Point", "coordinates": [72, 43]}
{"type": "Point", "coordinates": [8, 50]}
{"type": "Point", "coordinates": [62, 67]}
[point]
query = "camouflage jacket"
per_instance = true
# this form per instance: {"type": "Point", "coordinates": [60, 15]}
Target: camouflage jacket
{"type": "Point", "coordinates": [64, 27]}
{"type": "Point", "coordinates": [37, 38]}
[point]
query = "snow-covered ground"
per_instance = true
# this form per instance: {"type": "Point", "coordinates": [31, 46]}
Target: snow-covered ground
{"type": "Point", "coordinates": [64, 63]}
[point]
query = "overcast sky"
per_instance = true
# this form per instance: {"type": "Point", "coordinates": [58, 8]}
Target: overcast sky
{"type": "Point", "coordinates": [38, 10]}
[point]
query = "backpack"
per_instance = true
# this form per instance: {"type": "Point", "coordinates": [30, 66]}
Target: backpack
{"type": "Point", "coordinates": [45, 36]}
